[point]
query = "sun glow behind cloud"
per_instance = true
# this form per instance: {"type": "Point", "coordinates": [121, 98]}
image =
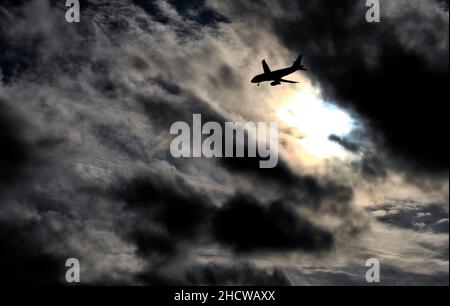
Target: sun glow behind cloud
{"type": "Point", "coordinates": [311, 120]}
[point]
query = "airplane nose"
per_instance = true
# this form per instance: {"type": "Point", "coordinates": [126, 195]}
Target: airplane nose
{"type": "Point", "coordinates": [254, 80]}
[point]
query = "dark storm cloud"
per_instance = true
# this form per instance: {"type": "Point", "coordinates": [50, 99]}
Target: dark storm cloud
{"type": "Point", "coordinates": [165, 212]}
{"type": "Point", "coordinates": [28, 254]}
{"type": "Point", "coordinates": [14, 153]}
{"type": "Point", "coordinates": [169, 205]}
{"type": "Point", "coordinates": [247, 225]}
{"type": "Point", "coordinates": [23, 259]}
{"type": "Point", "coordinates": [25, 243]}
{"type": "Point", "coordinates": [393, 73]}
{"type": "Point", "coordinates": [168, 212]}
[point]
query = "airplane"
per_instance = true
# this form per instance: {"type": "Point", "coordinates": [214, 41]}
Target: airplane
{"type": "Point", "coordinates": [277, 76]}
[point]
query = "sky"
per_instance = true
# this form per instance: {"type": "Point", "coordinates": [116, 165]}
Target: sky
{"type": "Point", "coordinates": [86, 170]}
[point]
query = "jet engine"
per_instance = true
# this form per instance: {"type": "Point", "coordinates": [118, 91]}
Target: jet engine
{"type": "Point", "coordinates": [275, 83]}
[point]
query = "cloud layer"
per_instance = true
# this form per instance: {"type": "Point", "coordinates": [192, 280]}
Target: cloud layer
{"type": "Point", "coordinates": [85, 112]}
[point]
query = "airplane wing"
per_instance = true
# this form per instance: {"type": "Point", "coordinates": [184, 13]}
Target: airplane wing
{"type": "Point", "coordinates": [265, 67]}
{"type": "Point", "coordinates": [287, 81]}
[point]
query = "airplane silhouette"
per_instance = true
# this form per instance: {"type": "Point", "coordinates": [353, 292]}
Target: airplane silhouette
{"type": "Point", "coordinates": [277, 76]}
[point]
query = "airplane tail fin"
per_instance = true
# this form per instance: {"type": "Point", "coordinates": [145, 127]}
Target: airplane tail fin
{"type": "Point", "coordinates": [298, 63]}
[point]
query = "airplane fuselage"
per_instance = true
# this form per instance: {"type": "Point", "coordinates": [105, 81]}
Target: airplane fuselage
{"type": "Point", "coordinates": [274, 75]}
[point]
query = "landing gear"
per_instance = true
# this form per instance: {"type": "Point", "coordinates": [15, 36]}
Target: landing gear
{"type": "Point", "coordinates": [258, 84]}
